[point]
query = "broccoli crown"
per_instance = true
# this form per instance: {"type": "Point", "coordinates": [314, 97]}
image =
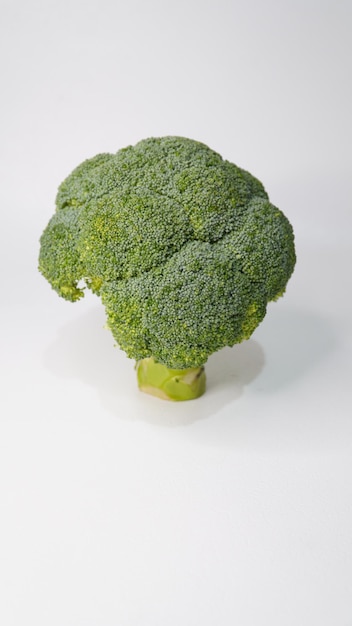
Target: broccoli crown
{"type": "Point", "coordinates": [183, 247]}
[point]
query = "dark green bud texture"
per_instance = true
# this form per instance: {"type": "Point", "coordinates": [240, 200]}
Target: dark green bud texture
{"type": "Point", "coordinates": [184, 248]}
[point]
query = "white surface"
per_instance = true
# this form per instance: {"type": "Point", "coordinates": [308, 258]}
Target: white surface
{"type": "Point", "coordinates": [117, 508]}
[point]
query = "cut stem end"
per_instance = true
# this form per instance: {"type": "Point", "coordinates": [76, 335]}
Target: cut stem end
{"type": "Point", "coordinates": [169, 384]}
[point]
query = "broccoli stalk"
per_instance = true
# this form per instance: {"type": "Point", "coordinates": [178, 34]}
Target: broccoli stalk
{"type": "Point", "coordinates": [184, 249]}
{"type": "Point", "coordinates": [170, 384]}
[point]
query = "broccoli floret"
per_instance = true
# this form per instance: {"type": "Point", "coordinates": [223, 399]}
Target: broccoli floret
{"type": "Point", "coordinates": [184, 248]}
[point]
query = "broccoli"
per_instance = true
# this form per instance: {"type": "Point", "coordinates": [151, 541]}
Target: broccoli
{"type": "Point", "coordinates": [184, 249]}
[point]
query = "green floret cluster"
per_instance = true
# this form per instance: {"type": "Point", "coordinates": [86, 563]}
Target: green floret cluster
{"type": "Point", "coordinates": [184, 248]}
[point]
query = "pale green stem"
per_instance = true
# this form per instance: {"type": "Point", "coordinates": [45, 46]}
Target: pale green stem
{"type": "Point", "coordinates": [169, 384]}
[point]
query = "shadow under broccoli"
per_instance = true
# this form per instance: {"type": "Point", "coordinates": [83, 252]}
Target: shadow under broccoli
{"type": "Point", "coordinates": [184, 248]}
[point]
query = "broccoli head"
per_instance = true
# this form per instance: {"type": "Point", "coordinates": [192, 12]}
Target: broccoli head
{"type": "Point", "coordinates": [184, 249]}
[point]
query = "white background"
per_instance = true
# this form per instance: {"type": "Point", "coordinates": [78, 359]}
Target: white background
{"type": "Point", "coordinates": [118, 509]}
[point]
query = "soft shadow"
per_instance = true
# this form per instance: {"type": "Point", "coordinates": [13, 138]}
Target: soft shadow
{"type": "Point", "coordinates": [84, 350]}
{"type": "Point", "coordinates": [295, 342]}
